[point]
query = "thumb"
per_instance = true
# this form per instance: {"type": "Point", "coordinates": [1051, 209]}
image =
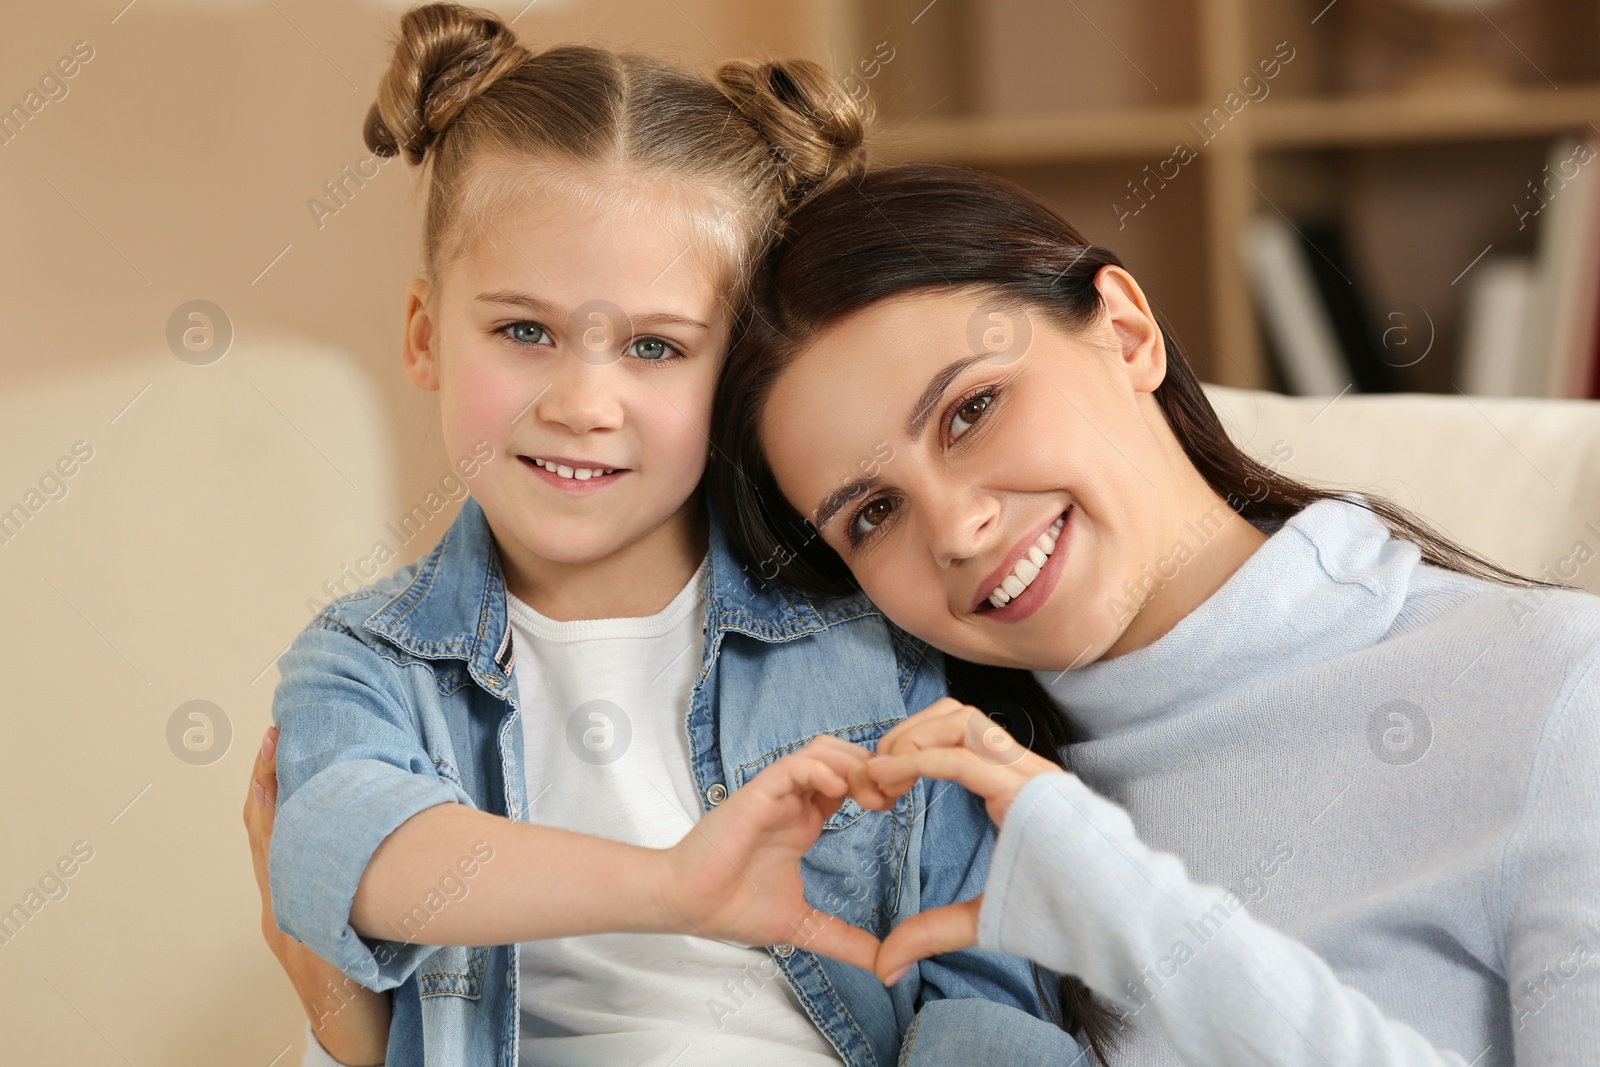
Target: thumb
{"type": "Point", "coordinates": [928, 933]}
{"type": "Point", "coordinates": [829, 935]}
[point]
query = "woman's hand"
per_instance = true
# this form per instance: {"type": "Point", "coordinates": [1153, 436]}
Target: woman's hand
{"type": "Point", "coordinates": [957, 742]}
{"type": "Point", "coordinates": [350, 1021]}
{"type": "Point", "coordinates": [736, 875]}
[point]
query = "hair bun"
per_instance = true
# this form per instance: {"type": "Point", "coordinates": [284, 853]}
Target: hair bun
{"type": "Point", "coordinates": [445, 55]}
{"type": "Point", "coordinates": [815, 128]}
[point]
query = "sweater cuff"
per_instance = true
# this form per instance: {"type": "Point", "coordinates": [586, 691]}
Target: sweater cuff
{"type": "Point", "coordinates": [1008, 851]}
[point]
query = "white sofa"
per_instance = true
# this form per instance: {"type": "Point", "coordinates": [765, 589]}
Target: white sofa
{"type": "Point", "coordinates": [1517, 480]}
{"type": "Point", "coordinates": [180, 562]}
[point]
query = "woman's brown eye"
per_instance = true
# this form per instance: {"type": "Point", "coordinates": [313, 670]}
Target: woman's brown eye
{"type": "Point", "coordinates": [968, 414]}
{"type": "Point", "coordinates": [872, 516]}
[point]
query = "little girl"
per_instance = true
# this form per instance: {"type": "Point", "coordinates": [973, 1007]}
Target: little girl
{"type": "Point", "coordinates": [1335, 800]}
{"type": "Point", "coordinates": [506, 748]}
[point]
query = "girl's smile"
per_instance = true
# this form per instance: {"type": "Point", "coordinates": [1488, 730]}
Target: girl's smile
{"type": "Point", "coordinates": [572, 475]}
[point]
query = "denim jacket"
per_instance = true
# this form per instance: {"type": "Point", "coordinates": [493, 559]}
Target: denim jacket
{"type": "Point", "coordinates": [400, 696]}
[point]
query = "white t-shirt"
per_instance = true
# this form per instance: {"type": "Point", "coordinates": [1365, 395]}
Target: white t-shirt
{"type": "Point", "coordinates": [603, 704]}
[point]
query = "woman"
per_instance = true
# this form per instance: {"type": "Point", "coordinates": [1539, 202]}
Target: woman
{"type": "Point", "coordinates": [1382, 744]}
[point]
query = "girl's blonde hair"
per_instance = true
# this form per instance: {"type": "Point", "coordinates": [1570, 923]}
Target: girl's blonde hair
{"type": "Point", "coordinates": [487, 115]}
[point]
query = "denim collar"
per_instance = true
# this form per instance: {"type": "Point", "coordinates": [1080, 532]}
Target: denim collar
{"type": "Point", "coordinates": [454, 606]}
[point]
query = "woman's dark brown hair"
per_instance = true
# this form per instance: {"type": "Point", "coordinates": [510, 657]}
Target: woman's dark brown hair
{"type": "Point", "coordinates": [910, 228]}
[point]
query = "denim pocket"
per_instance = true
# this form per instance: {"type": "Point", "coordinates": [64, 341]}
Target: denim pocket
{"type": "Point", "coordinates": [848, 813]}
{"type": "Point", "coordinates": [855, 869]}
{"type": "Point", "coordinates": [454, 971]}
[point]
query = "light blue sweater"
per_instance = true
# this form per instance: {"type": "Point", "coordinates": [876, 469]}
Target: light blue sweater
{"type": "Point", "coordinates": [1347, 813]}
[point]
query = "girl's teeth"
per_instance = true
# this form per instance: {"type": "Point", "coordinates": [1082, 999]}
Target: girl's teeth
{"type": "Point", "coordinates": [1027, 568]}
{"type": "Point", "coordinates": [579, 474]}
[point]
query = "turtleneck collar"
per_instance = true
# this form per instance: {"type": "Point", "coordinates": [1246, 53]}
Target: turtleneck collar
{"type": "Point", "coordinates": [1327, 582]}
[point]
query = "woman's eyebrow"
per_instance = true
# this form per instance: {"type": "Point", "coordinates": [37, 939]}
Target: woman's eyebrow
{"type": "Point", "coordinates": [839, 498]}
{"type": "Point", "coordinates": [935, 389]}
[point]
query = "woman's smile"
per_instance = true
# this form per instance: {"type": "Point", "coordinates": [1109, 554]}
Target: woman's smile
{"type": "Point", "coordinates": [1015, 590]}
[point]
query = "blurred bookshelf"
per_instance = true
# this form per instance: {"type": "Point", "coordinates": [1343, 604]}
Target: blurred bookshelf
{"type": "Point", "coordinates": [1415, 133]}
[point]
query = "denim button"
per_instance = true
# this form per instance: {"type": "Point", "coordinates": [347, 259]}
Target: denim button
{"type": "Point", "coordinates": [784, 951]}
{"type": "Point", "coordinates": [716, 794]}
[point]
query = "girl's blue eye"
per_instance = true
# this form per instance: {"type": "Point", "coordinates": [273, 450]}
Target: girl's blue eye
{"type": "Point", "coordinates": [966, 416]}
{"type": "Point", "coordinates": [528, 333]}
{"type": "Point", "coordinates": [650, 349]}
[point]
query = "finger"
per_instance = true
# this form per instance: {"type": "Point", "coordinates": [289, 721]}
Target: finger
{"type": "Point", "coordinates": [266, 754]}
{"type": "Point", "coordinates": [826, 802]}
{"type": "Point", "coordinates": [866, 791]}
{"type": "Point", "coordinates": [269, 802]}
{"type": "Point", "coordinates": [252, 797]}
{"type": "Point", "coordinates": [890, 791]}
{"type": "Point", "coordinates": [794, 779]}
{"type": "Point", "coordinates": [992, 781]}
{"type": "Point", "coordinates": [841, 755]}
{"type": "Point", "coordinates": [928, 933]}
{"type": "Point", "coordinates": [829, 935]}
{"type": "Point", "coordinates": [817, 775]}
{"type": "Point", "coordinates": [939, 709]}
{"type": "Point", "coordinates": [849, 760]}
{"type": "Point", "coordinates": [258, 843]}
{"type": "Point", "coordinates": [971, 729]}
{"type": "Point", "coordinates": [964, 726]}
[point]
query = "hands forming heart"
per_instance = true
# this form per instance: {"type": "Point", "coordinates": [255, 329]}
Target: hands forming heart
{"type": "Point", "coordinates": [736, 875]}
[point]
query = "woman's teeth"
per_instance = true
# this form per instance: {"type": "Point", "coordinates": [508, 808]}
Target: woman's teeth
{"type": "Point", "coordinates": [578, 474]}
{"type": "Point", "coordinates": [1027, 568]}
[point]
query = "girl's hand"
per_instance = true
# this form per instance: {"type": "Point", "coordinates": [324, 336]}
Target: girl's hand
{"type": "Point", "coordinates": [736, 875]}
{"type": "Point", "coordinates": [953, 741]}
{"type": "Point", "coordinates": [350, 1020]}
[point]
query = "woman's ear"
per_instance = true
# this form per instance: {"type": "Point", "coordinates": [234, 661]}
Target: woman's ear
{"type": "Point", "coordinates": [1144, 352]}
{"type": "Point", "coordinates": [421, 336]}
